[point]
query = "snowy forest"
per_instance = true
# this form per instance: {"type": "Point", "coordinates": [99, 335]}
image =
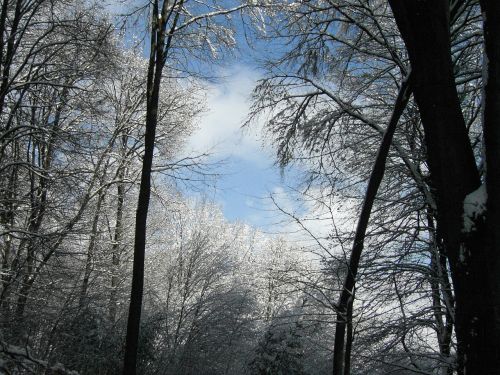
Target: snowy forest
{"type": "Point", "coordinates": [116, 258]}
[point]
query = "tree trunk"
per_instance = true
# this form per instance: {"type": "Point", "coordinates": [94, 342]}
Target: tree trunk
{"type": "Point", "coordinates": [344, 313]}
{"type": "Point", "coordinates": [491, 128]}
{"type": "Point", "coordinates": [140, 238]}
{"type": "Point", "coordinates": [349, 336]}
{"type": "Point", "coordinates": [159, 47]}
{"type": "Point", "coordinates": [117, 239]}
{"type": "Point", "coordinates": [156, 64]}
{"type": "Point", "coordinates": [90, 252]}
{"type": "Point", "coordinates": [9, 53]}
{"type": "Point", "coordinates": [425, 28]}
{"type": "Point", "coordinates": [441, 291]}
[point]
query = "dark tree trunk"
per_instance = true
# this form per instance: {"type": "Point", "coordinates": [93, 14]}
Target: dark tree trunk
{"type": "Point", "coordinates": [9, 53]}
{"type": "Point", "coordinates": [134, 317]}
{"type": "Point", "coordinates": [491, 127]}
{"type": "Point", "coordinates": [341, 357]}
{"type": "Point", "coordinates": [349, 336]}
{"type": "Point", "coordinates": [441, 291]}
{"type": "Point", "coordinates": [159, 46]}
{"type": "Point", "coordinates": [425, 28]}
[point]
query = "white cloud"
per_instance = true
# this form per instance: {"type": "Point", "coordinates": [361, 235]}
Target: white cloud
{"type": "Point", "coordinates": [220, 131]}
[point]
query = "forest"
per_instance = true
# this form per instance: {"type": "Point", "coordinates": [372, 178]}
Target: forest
{"type": "Point", "coordinates": [116, 260]}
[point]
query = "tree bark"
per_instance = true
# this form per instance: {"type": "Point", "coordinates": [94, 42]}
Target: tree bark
{"type": "Point", "coordinates": [155, 69]}
{"type": "Point", "coordinates": [10, 50]}
{"type": "Point", "coordinates": [425, 28]}
{"type": "Point", "coordinates": [134, 316]}
{"type": "Point", "coordinates": [491, 129]}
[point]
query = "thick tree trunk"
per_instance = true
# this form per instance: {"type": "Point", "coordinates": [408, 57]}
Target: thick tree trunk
{"type": "Point", "coordinates": [424, 26]}
{"type": "Point", "coordinates": [9, 53]}
{"type": "Point", "coordinates": [349, 335]}
{"type": "Point", "coordinates": [341, 357]}
{"type": "Point", "coordinates": [441, 292]}
{"type": "Point", "coordinates": [491, 126]}
{"type": "Point", "coordinates": [7, 220]}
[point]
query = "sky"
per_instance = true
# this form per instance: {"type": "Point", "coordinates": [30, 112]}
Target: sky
{"type": "Point", "coordinates": [245, 164]}
{"type": "Point", "coordinates": [247, 168]}
{"type": "Point", "coordinates": [248, 174]}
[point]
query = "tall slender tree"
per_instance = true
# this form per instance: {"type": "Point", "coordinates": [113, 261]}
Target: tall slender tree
{"type": "Point", "coordinates": [168, 22]}
{"type": "Point", "coordinates": [159, 44]}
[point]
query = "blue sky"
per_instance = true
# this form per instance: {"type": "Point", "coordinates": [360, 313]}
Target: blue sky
{"type": "Point", "coordinates": [246, 164]}
{"type": "Point", "coordinates": [248, 174]}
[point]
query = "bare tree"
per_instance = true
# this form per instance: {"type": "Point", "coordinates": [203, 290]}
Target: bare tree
{"type": "Point", "coordinates": [168, 23]}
